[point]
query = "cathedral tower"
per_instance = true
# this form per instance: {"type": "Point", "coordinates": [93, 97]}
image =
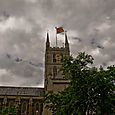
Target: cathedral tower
{"type": "Point", "coordinates": [54, 80]}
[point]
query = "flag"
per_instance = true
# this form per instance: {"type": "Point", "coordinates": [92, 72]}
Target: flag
{"type": "Point", "coordinates": [59, 30]}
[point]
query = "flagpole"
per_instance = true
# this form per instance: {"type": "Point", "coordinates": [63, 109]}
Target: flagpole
{"type": "Point", "coordinates": [56, 36]}
{"type": "Point", "coordinates": [56, 39]}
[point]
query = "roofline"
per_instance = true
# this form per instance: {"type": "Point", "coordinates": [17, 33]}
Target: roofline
{"type": "Point", "coordinates": [21, 87]}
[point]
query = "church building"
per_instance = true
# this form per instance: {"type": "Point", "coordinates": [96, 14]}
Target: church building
{"type": "Point", "coordinates": [29, 100]}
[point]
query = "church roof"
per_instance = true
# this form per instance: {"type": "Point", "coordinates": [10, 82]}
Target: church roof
{"type": "Point", "coordinates": [21, 91]}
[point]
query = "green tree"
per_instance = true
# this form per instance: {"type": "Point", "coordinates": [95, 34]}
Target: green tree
{"type": "Point", "coordinates": [8, 111]}
{"type": "Point", "coordinates": [91, 90]}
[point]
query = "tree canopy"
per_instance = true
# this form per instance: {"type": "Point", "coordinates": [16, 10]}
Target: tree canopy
{"type": "Point", "coordinates": [91, 89]}
{"type": "Point", "coordinates": [8, 111]}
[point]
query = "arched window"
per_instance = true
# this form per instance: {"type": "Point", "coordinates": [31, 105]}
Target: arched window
{"type": "Point", "coordinates": [24, 108]}
{"type": "Point", "coordinates": [54, 71]}
{"type": "Point", "coordinates": [37, 109]}
{"type": "Point", "coordinates": [54, 58]}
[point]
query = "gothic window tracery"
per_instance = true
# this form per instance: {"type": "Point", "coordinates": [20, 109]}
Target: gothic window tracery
{"type": "Point", "coordinates": [37, 109]}
{"type": "Point", "coordinates": [54, 58]}
{"type": "Point", "coordinates": [24, 108]}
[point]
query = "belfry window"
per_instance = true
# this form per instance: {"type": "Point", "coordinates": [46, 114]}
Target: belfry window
{"type": "Point", "coordinates": [54, 58]}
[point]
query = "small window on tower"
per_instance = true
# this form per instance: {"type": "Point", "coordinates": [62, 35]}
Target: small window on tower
{"type": "Point", "coordinates": [54, 59]}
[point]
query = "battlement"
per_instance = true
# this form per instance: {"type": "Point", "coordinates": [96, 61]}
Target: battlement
{"type": "Point", "coordinates": [57, 48]}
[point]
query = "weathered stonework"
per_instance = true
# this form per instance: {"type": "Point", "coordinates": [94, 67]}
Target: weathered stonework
{"type": "Point", "coordinates": [54, 80]}
{"type": "Point", "coordinates": [29, 100]}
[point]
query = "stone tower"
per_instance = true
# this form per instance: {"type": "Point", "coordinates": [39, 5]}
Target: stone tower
{"type": "Point", "coordinates": [54, 80]}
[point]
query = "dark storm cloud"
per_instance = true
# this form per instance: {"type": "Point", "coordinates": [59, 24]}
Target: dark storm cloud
{"type": "Point", "coordinates": [89, 24]}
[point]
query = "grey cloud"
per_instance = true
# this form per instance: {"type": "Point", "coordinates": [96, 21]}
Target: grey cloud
{"type": "Point", "coordinates": [85, 17]}
{"type": "Point", "coordinates": [18, 43]}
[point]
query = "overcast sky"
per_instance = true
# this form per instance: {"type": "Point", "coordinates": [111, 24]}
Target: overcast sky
{"type": "Point", "coordinates": [90, 26]}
